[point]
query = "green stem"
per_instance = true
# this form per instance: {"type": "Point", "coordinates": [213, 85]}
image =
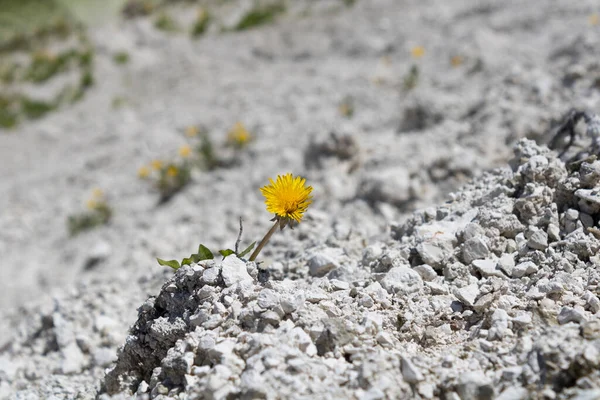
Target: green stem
{"type": "Point", "coordinates": [264, 241]}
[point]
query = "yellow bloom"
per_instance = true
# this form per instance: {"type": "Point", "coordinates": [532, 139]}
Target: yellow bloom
{"type": "Point", "coordinates": [287, 197]}
{"type": "Point", "coordinates": [185, 151]}
{"type": "Point", "coordinates": [97, 193]}
{"type": "Point", "coordinates": [238, 135]}
{"type": "Point", "coordinates": [172, 171]}
{"type": "Point", "coordinates": [192, 131]}
{"type": "Point", "coordinates": [143, 172]}
{"type": "Point", "coordinates": [456, 61]}
{"type": "Point", "coordinates": [92, 204]}
{"type": "Point", "coordinates": [417, 51]}
{"type": "Point", "coordinates": [156, 164]}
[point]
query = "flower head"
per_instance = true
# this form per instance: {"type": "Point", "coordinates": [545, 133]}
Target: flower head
{"type": "Point", "coordinates": [92, 204]}
{"type": "Point", "coordinates": [238, 136]}
{"type": "Point", "coordinates": [456, 60]}
{"type": "Point", "coordinates": [192, 131]}
{"type": "Point", "coordinates": [156, 164]}
{"type": "Point", "coordinates": [143, 172]}
{"type": "Point", "coordinates": [97, 193]}
{"type": "Point", "coordinates": [287, 197]}
{"type": "Point", "coordinates": [417, 51]}
{"type": "Point", "coordinates": [172, 171]}
{"type": "Point", "coordinates": [185, 151]}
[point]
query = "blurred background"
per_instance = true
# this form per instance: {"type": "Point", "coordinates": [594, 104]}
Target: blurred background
{"type": "Point", "coordinates": [136, 129]}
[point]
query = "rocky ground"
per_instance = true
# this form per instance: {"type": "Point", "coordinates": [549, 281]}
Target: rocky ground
{"type": "Point", "coordinates": [488, 290]}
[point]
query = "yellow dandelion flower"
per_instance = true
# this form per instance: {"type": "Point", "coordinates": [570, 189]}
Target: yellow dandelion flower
{"type": "Point", "coordinates": [594, 19]}
{"type": "Point", "coordinates": [238, 135]}
{"type": "Point", "coordinates": [456, 61]}
{"type": "Point", "coordinates": [417, 51]}
{"type": "Point", "coordinates": [143, 172]}
{"type": "Point", "coordinates": [91, 204]}
{"type": "Point", "coordinates": [172, 171]}
{"type": "Point", "coordinates": [156, 164]}
{"type": "Point", "coordinates": [97, 193]}
{"type": "Point", "coordinates": [287, 197]}
{"type": "Point", "coordinates": [192, 131]}
{"type": "Point", "coordinates": [185, 151]}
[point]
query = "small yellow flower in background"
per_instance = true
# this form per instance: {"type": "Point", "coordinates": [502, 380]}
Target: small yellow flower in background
{"type": "Point", "coordinates": [172, 171]}
{"type": "Point", "coordinates": [185, 151]}
{"type": "Point", "coordinates": [192, 131]}
{"type": "Point", "coordinates": [92, 204]}
{"type": "Point", "coordinates": [417, 51]}
{"type": "Point", "coordinates": [456, 61]}
{"type": "Point", "coordinates": [97, 193]}
{"type": "Point", "coordinates": [287, 197]}
{"type": "Point", "coordinates": [156, 164]}
{"type": "Point", "coordinates": [143, 172]}
{"type": "Point", "coordinates": [594, 19]}
{"type": "Point", "coordinates": [96, 199]}
{"type": "Point", "coordinates": [238, 136]}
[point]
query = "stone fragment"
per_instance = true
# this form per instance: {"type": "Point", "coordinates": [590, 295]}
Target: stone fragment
{"type": "Point", "coordinates": [324, 261]}
{"type": "Point", "coordinates": [434, 252]}
{"type": "Point", "coordinates": [591, 329]}
{"type": "Point", "coordinates": [538, 240]}
{"type": "Point", "coordinates": [506, 263]}
{"type": "Point", "coordinates": [268, 299]}
{"type": "Point", "coordinates": [426, 272]}
{"type": "Point", "coordinates": [402, 281]}
{"type": "Point", "coordinates": [474, 385]}
{"type": "Point", "coordinates": [524, 268]}
{"type": "Point", "coordinates": [389, 185]}
{"type": "Point", "coordinates": [337, 284]}
{"type": "Point", "coordinates": [522, 320]}
{"type": "Point", "coordinates": [589, 200]}
{"type": "Point", "coordinates": [514, 393]}
{"type": "Point", "coordinates": [553, 232]}
{"type": "Point", "coordinates": [512, 373]}
{"type": "Point", "coordinates": [371, 254]}
{"type": "Point", "coordinates": [410, 373]}
{"type": "Point", "coordinates": [571, 314]}
{"type": "Point", "coordinates": [104, 356]}
{"type": "Point", "coordinates": [234, 270]}
{"type": "Point", "coordinates": [499, 322]}
{"type": "Point", "coordinates": [467, 294]}
{"type": "Point", "coordinates": [437, 288]}
{"type": "Point", "coordinates": [73, 359]}
{"type": "Point", "coordinates": [592, 301]}
{"type": "Point", "coordinates": [483, 303]}
{"type": "Point", "coordinates": [487, 268]}
{"type": "Point", "coordinates": [474, 249]}
{"type": "Point", "coordinates": [211, 275]}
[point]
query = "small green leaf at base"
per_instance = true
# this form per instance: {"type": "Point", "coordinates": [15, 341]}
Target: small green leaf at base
{"type": "Point", "coordinates": [205, 253]}
{"type": "Point", "coordinates": [226, 252]}
{"type": "Point", "coordinates": [247, 250]}
{"type": "Point", "coordinates": [171, 263]}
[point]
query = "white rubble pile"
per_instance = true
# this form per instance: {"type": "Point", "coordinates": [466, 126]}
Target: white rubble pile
{"type": "Point", "coordinates": [492, 294]}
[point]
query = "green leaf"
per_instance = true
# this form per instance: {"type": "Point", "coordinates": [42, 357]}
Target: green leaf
{"type": "Point", "coordinates": [171, 263]}
{"type": "Point", "coordinates": [247, 250]}
{"type": "Point", "coordinates": [204, 253]}
{"type": "Point", "coordinates": [226, 252]}
{"type": "Point", "coordinates": [188, 261]}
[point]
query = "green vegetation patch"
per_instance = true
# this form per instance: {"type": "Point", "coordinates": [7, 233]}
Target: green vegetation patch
{"type": "Point", "coordinates": [23, 23]}
{"type": "Point", "coordinates": [260, 15]}
{"type": "Point", "coordinates": [44, 30]}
